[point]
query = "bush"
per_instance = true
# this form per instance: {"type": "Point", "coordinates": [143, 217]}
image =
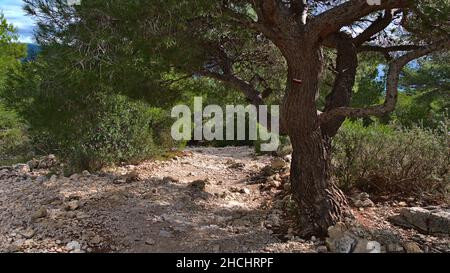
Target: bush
{"type": "Point", "coordinates": [119, 133]}
{"type": "Point", "coordinates": [85, 122]}
{"type": "Point", "coordinates": [14, 142]}
{"type": "Point", "coordinates": [382, 160]}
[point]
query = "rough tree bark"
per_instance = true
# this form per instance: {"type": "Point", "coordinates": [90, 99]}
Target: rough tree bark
{"type": "Point", "coordinates": [320, 202]}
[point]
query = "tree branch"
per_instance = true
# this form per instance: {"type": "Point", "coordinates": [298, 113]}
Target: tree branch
{"type": "Point", "coordinates": [237, 83]}
{"type": "Point", "coordinates": [246, 21]}
{"type": "Point", "coordinates": [386, 50]}
{"type": "Point", "coordinates": [377, 26]}
{"type": "Point", "coordinates": [395, 69]}
{"type": "Point", "coordinates": [345, 14]}
{"type": "Point", "coordinates": [248, 90]}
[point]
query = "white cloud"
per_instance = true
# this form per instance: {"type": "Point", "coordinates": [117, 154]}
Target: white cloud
{"type": "Point", "coordinates": [14, 13]}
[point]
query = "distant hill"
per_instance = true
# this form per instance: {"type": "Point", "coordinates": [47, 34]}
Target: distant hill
{"type": "Point", "coordinates": [32, 52]}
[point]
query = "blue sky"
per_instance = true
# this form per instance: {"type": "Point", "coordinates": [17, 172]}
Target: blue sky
{"type": "Point", "coordinates": [12, 9]}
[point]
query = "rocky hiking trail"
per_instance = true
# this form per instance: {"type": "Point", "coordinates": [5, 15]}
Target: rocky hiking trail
{"type": "Point", "coordinates": [204, 200]}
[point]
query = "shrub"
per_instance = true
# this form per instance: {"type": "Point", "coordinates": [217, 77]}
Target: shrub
{"type": "Point", "coordinates": [14, 141]}
{"type": "Point", "coordinates": [383, 160]}
{"type": "Point", "coordinates": [119, 133]}
{"type": "Point", "coordinates": [85, 122]}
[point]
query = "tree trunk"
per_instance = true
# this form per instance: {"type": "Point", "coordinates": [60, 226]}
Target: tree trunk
{"type": "Point", "coordinates": [320, 203]}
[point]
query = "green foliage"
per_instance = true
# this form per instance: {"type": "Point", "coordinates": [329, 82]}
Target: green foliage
{"type": "Point", "coordinates": [369, 87]}
{"type": "Point", "coordinates": [10, 50]}
{"type": "Point", "coordinates": [120, 132]}
{"type": "Point", "coordinates": [14, 142]}
{"type": "Point", "coordinates": [13, 137]}
{"type": "Point", "coordinates": [383, 160]}
{"type": "Point", "coordinates": [431, 18]}
{"type": "Point", "coordinates": [425, 96]}
{"type": "Point", "coordinates": [81, 119]}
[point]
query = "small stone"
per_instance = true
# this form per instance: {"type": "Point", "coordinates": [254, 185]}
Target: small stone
{"type": "Point", "coordinates": [222, 195]}
{"type": "Point", "coordinates": [53, 178]}
{"type": "Point", "coordinates": [132, 177]}
{"type": "Point", "coordinates": [275, 184]}
{"type": "Point", "coordinates": [86, 173]}
{"type": "Point", "coordinates": [267, 171]}
{"type": "Point", "coordinates": [119, 181]}
{"type": "Point", "coordinates": [278, 164]}
{"type": "Point", "coordinates": [28, 233]}
{"type": "Point", "coordinates": [72, 205]}
{"type": "Point", "coordinates": [363, 196]}
{"type": "Point", "coordinates": [245, 191]}
{"type": "Point", "coordinates": [322, 249]}
{"type": "Point", "coordinates": [33, 164]}
{"type": "Point", "coordinates": [73, 246]}
{"type": "Point", "coordinates": [412, 247]}
{"type": "Point", "coordinates": [41, 179]}
{"type": "Point", "coordinates": [273, 220]}
{"type": "Point", "coordinates": [13, 248]}
{"type": "Point", "coordinates": [341, 245]}
{"type": "Point", "coordinates": [74, 176]}
{"type": "Point", "coordinates": [148, 196]}
{"type": "Point", "coordinates": [395, 248]}
{"type": "Point", "coordinates": [364, 246]}
{"type": "Point", "coordinates": [402, 204]}
{"type": "Point", "coordinates": [150, 242]}
{"type": "Point", "coordinates": [169, 179]}
{"type": "Point", "coordinates": [70, 214]}
{"type": "Point", "coordinates": [364, 204]}
{"type": "Point", "coordinates": [237, 166]}
{"type": "Point", "coordinates": [22, 168]}
{"type": "Point", "coordinates": [96, 240]}
{"type": "Point", "coordinates": [81, 215]}
{"type": "Point", "coordinates": [40, 213]}
{"type": "Point", "coordinates": [337, 230]}
{"type": "Point", "coordinates": [313, 239]}
{"type": "Point", "coordinates": [198, 185]}
{"type": "Point", "coordinates": [47, 162]}
{"type": "Point", "coordinates": [165, 233]}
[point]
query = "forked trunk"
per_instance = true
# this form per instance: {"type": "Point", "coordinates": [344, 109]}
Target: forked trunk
{"type": "Point", "coordinates": [321, 204]}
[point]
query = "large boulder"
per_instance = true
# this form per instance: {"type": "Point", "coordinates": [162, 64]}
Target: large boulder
{"type": "Point", "coordinates": [429, 221]}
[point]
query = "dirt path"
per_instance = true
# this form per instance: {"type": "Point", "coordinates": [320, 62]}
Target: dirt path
{"type": "Point", "coordinates": [162, 211]}
{"type": "Point", "coordinates": [205, 200]}
{"type": "Point", "coordinates": [173, 216]}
